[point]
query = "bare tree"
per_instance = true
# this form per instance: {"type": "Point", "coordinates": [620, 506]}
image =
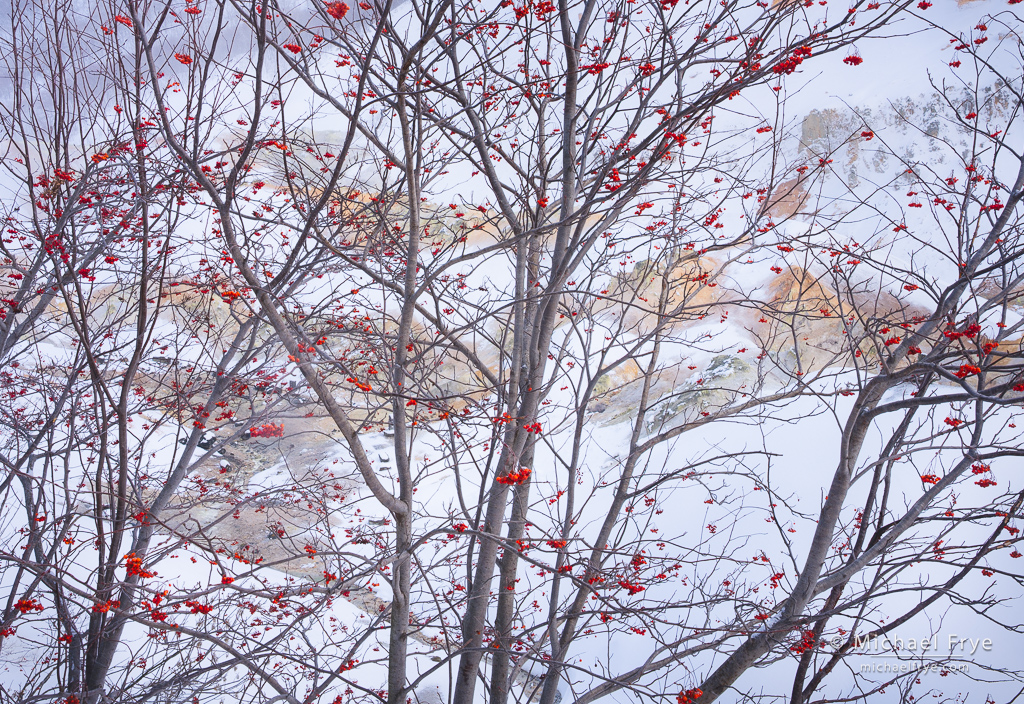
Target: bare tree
{"type": "Point", "coordinates": [516, 242]}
